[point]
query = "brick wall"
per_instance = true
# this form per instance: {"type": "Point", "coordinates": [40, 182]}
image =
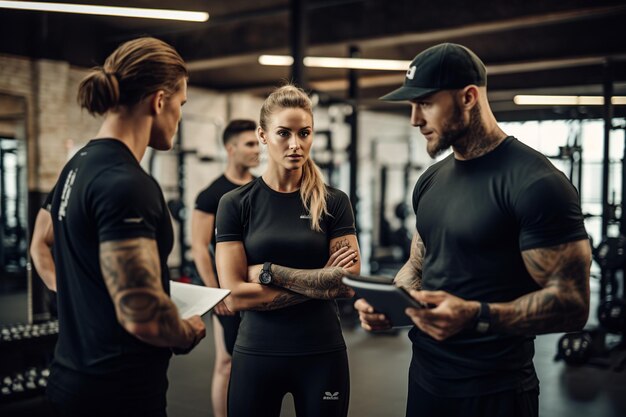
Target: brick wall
{"type": "Point", "coordinates": [16, 80]}
{"type": "Point", "coordinates": [54, 122]}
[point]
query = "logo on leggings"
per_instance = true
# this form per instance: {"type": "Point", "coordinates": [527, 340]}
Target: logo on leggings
{"type": "Point", "coordinates": [330, 396]}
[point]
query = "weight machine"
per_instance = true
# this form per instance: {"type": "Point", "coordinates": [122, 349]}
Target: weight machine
{"type": "Point", "coordinates": [391, 244]}
{"type": "Point", "coordinates": [593, 346]}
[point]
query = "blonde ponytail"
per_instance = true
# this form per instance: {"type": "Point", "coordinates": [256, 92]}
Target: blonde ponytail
{"type": "Point", "coordinates": [313, 193]}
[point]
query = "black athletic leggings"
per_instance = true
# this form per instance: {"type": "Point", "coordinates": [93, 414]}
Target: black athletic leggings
{"type": "Point", "coordinates": [230, 327]}
{"type": "Point", "coordinates": [320, 385]}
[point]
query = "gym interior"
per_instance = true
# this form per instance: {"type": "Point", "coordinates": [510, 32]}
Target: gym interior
{"type": "Point", "coordinates": [557, 82]}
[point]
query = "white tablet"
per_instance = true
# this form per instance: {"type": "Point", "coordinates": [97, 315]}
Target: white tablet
{"type": "Point", "coordinates": [195, 299]}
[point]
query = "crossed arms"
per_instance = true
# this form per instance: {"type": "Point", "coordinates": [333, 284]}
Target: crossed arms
{"type": "Point", "coordinates": [289, 286]}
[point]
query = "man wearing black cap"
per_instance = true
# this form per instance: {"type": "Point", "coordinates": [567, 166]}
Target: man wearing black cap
{"type": "Point", "coordinates": [500, 250]}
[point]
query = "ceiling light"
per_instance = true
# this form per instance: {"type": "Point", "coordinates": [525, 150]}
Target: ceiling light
{"type": "Point", "coordinates": [347, 63]}
{"type": "Point", "coordinates": [356, 63]}
{"type": "Point", "coordinates": [539, 100]}
{"type": "Point", "coordinates": [277, 60]}
{"type": "Point", "coordinates": [107, 10]}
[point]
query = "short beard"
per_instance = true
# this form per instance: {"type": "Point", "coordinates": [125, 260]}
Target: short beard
{"type": "Point", "coordinates": [456, 132]}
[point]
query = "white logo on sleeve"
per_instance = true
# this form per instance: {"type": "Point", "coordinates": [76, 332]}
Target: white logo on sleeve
{"type": "Point", "coordinates": [67, 190]}
{"type": "Point", "coordinates": [411, 72]}
{"type": "Point", "coordinates": [330, 396]}
{"type": "Point", "coordinates": [305, 216]}
{"type": "Point", "coordinates": [134, 220]}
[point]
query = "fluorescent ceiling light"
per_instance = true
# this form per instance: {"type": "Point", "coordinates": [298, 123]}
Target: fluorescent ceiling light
{"type": "Point", "coordinates": [276, 60]}
{"type": "Point", "coordinates": [356, 63]}
{"type": "Point", "coordinates": [538, 100]}
{"type": "Point", "coordinates": [328, 62]}
{"type": "Point", "coordinates": [107, 10]}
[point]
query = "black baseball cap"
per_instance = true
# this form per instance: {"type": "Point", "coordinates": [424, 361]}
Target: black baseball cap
{"type": "Point", "coordinates": [447, 66]}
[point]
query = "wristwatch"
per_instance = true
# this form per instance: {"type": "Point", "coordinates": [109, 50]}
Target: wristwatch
{"type": "Point", "coordinates": [265, 277]}
{"type": "Point", "coordinates": [483, 320]}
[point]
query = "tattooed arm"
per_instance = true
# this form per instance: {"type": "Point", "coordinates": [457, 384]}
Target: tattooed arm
{"type": "Point", "coordinates": [562, 304]}
{"type": "Point", "coordinates": [410, 275]}
{"type": "Point", "coordinates": [323, 283]}
{"type": "Point", "coordinates": [132, 274]}
{"type": "Point", "coordinates": [232, 268]}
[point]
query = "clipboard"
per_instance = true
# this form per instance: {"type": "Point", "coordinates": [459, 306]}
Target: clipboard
{"type": "Point", "coordinates": [384, 296]}
{"type": "Point", "coordinates": [195, 299]}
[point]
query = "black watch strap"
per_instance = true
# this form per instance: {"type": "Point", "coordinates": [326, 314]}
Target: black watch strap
{"type": "Point", "coordinates": [266, 274]}
{"type": "Point", "coordinates": [483, 320]}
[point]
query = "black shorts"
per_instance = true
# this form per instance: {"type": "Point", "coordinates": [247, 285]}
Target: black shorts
{"type": "Point", "coordinates": [320, 384]}
{"type": "Point", "coordinates": [230, 327]}
{"type": "Point", "coordinates": [513, 403]}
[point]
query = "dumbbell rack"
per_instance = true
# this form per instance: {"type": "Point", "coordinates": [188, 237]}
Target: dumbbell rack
{"type": "Point", "coordinates": [26, 351]}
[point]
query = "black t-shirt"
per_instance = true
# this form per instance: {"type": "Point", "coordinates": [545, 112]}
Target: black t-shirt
{"type": "Point", "coordinates": [275, 227]}
{"type": "Point", "coordinates": [475, 217]}
{"type": "Point", "coordinates": [209, 198]}
{"type": "Point", "coordinates": [47, 203]}
{"type": "Point", "coordinates": [103, 194]}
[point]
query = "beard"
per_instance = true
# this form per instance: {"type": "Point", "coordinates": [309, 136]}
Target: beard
{"type": "Point", "coordinates": [456, 131]}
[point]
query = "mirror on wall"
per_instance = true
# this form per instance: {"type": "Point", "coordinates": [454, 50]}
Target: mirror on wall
{"type": "Point", "coordinates": [14, 225]}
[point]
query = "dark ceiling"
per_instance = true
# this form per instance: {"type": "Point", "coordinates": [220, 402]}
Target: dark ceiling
{"type": "Point", "coordinates": [530, 47]}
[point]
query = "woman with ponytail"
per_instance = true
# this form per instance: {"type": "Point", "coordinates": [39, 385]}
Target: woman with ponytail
{"type": "Point", "coordinates": [112, 236]}
{"type": "Point", "coordinates": [284, 241]}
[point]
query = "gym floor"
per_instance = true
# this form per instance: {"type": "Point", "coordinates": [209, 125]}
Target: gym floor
{"type": "Point", "coordinates": [379, 367]}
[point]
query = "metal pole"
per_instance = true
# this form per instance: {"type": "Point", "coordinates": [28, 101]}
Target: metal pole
{"type": "Point", "coordinates": [353, 92]}
{"type": "Point", "coordinates": [608, 124]}
{"type": "Point", "coordinates": [299, 32]}
{"type": "Point", "coordinates": [182, 214]}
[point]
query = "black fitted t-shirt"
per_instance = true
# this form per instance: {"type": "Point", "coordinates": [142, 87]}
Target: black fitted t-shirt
{"type": "Point", "coordinates": [209, 198]}
{"type": "Point", "coordinates": [47, 203]}
{"type": "Point", "coordinates": [275, 227]}
{"type": "Point", "coordinates": [475, 218]}
{"type": "Point", "coordinates": [102, 195]}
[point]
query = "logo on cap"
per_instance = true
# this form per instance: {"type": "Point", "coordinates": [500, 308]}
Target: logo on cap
{"type": "Point", "coordinates": [410, 73]}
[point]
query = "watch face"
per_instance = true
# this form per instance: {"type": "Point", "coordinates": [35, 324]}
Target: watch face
{"type": "Point", "coordinates": [265, 277]}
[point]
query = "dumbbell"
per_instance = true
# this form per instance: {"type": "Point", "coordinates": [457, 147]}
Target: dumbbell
{"type": "Point", "coordinates": [612, 314]}
{"type": "Point", "coordinates": [574, 348]}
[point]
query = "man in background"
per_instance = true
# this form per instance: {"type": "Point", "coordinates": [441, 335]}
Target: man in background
{"type": "Point", "coordinates": [242, 148]}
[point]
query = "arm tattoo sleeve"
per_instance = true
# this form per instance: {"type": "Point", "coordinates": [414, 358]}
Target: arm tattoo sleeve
{"type": "Point", "coordinates": [132, 273]}
{"type": "Point", "coordinates": [283, 299]}
{"type": "Point", "coordinates": [562, 304]}
{"type": "Point", "coordinates": [322, 283]}
{"type": "Point", "coordinates": [410, 275]}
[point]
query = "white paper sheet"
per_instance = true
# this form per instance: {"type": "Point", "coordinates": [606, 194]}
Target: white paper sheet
{"type": "Point", "coordinates": [195, 299]}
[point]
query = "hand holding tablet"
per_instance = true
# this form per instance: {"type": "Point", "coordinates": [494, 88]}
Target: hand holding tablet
{"type": "Point", "coordinates": [384, 296]}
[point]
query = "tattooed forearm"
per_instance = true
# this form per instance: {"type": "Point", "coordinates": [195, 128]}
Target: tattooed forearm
{"type": "Point", "coordinates": [282, 300]}
{"type": "Point", "coordinates": [322, 283]}
{"type": "Point", "coordinates": [340, 243]}
{"type": "Point", "coordinates": [410, 275]}
{"type": "Point", "coordinates": [138, 306]}
{"type": "Point", "coordinates": [563, 303]}
{"type": "Point", "coordinates": [132, 274]}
